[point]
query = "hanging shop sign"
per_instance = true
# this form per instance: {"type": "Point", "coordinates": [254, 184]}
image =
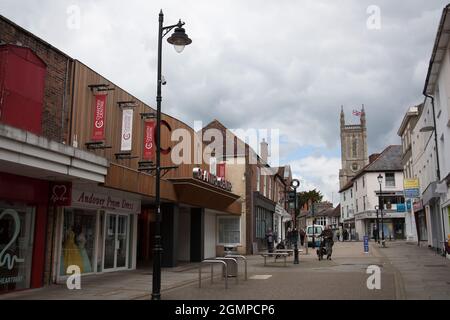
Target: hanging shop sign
{"type": "Point", "coordinates": [127, 129]}
{"type": "Point", "coordinates": [221, 170]}
{"type": "Point", "coordinates": [98, 132]}
{"type": "Point", "coordinates": [60, 194]}
{"type": "Point", "coordinates": [411, 188]}
{"type": "Point", "coordinates": [149, 139]}
{"type": "Point", "coordinates": [94, 200]}
{"type": "Point", "coordinates": [204, 175]}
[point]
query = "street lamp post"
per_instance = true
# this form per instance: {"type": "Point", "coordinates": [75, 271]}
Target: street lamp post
{"type": "Point", "coordinates": [380, 205]}
{"type": "Point", "coordinates": [179, 39]}
{"type": "Point", "coordinates": [377, 208]}
{"type": "Point", "coordinates": [295, 184]}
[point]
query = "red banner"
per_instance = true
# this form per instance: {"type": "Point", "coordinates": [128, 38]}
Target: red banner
{"type": "Point", "coordinates": [99, 117]}
{"type": "Point", "coordinates": [221, 170]}
{"type": "Point", "coordinates": [60, 194]}
{"type": "Point", "coordinates": [149, 139]}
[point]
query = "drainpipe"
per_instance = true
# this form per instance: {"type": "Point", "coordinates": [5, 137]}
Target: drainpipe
{"type": "Point", "coordinates": [438, 171]}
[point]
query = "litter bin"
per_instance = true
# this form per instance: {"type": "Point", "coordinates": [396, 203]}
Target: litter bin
{"type": "Point", "coordinates": [231, 265]}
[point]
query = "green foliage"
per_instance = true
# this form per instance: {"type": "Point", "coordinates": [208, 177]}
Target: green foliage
{"type": "Point", "coordinates": [313, 195]}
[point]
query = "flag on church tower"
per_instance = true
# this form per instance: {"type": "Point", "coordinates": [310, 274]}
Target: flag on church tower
{"type": "Point", "coordinates": [357, 113]}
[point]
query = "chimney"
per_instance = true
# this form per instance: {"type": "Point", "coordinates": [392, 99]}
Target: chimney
{"type": "Point", "coordinates": [264, 150]}
{"type": "Point", "coordinates": [373, 157]}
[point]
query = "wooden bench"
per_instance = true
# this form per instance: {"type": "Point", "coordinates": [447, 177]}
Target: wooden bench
{"type": "Point", "coordinates": [274, 254]}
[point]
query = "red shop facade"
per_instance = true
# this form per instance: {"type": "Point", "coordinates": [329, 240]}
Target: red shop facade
{"type": "Point", "coordinates": [23, 226]}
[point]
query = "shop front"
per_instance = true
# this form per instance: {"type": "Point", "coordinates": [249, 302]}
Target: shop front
{"type": "Point", "coordinates": [97, 232]}
{"type": "Point", "coordinates": [23, 216]}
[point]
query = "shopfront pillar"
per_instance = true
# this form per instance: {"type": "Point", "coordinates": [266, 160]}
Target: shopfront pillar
{"type": "Point", "coordinates": [197, 234]}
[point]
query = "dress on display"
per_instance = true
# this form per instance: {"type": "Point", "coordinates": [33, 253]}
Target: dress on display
{"type": "Point", "coordinates": [81, 240]}
{"type": "Point", "coordinates": [72, 255]}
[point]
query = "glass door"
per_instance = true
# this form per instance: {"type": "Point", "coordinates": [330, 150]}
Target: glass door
{"type": "Point", "coordinates": [116, 242]}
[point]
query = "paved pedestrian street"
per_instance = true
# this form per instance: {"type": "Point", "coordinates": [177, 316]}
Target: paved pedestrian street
{"type": "Point", "coordinates": [407, 272]}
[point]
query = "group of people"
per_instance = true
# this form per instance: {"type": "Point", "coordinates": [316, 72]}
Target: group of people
{"type": "Point", "coordinates": [344, 235]}
{"type": "Point", "coordinates": [292, 238]}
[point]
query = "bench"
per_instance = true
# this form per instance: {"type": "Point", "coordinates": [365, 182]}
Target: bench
{"type": "Point", "coordinates": [290, 252]}
{"type": "Point", "coordinates": [274, 254]}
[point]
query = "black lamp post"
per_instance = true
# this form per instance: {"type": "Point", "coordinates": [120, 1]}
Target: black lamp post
{"type": "Point", "coordinates": [380, 205]}
{"type": "Point", "coordinates": [295, 184]}
{"type": "Point", "coordinates": [377, 208]}
{"type": "Point", "coordinates": [179, 39]}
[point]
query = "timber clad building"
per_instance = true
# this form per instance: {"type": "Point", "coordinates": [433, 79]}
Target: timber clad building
{"type": "Point", "coordinates": [75, 186]}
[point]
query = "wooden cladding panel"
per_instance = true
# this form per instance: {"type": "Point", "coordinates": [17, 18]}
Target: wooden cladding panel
{"type": "Point", "coordinates": [83, 119]}
{"type": "Point", "coordinates": [121, 177]}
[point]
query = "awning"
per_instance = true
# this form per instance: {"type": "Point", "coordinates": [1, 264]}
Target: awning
{"type": "Point", "coordinates": [202, 194]}
{"type": "Point", "coordinates": [279, 210]}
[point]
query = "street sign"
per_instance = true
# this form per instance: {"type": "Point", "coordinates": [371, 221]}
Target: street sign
{"type": "Point", "coordinates": [366, 244]}
{"type": "Point", "coordinates": [411, 188]}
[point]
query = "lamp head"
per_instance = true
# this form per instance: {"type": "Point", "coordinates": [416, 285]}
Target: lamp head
{"type": "Point", "coordinates": [380, 178]}
{"type": "Point", "coordinates": [179, 38]}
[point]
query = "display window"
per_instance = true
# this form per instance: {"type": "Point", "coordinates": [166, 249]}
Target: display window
{"type": "Point", "coordinates": [16, 246]}
{"type": "Point", "coordinates": [78, 240]}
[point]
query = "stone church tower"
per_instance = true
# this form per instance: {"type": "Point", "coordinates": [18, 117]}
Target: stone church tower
{"type": "Point", "coordinates": [353, 148]}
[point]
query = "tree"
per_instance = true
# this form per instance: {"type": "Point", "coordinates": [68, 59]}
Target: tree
{"type": "Point", "coordinates": [313, 195]}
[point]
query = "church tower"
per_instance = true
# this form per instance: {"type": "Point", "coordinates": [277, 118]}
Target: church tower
{"type": "Point", "coordinates": [353, 147]}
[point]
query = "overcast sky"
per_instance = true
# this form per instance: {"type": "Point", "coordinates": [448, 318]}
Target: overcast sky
{"type": "Point", "coordinates": [285, 64]}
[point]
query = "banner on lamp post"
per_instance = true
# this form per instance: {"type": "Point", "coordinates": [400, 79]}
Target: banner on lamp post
{"type": "Point", "coordinates": [149, 139]}
{"type": "Point", "coordinates": [98, 132]}
{"type": "Point", "coordinates": [127, 129]}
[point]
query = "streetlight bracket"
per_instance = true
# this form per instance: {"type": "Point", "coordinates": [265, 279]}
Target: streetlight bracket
{"type": "Point", "coordinates": [167, 29]}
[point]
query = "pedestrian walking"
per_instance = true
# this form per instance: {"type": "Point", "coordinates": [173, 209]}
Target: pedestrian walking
{"type": "Point", "coordinates": [269, 239]}
{"type": "Point", "coordinates": [375, 233]}
{"type": "Point", "coordinates": [302, 236]}
{"type": "Point", "coordinates": [345, 235]}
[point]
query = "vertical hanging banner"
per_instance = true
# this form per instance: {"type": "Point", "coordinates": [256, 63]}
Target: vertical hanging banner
{"type": "Point", "coordinates": [127, 129]}
{"type": "Point", "coordinates": [149, 139]}
{"type": "Point", "coordinates": [221, 170]}
{"type": "Point", "coordinates": [98, 132]}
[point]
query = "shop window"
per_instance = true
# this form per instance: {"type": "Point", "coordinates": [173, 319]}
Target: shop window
{"type": "Point", "coordinates": [78, 240]}
{"type": "Point", "coordinates": [229, 230]}
{"type": "Point", "coordinates": [16, 247]}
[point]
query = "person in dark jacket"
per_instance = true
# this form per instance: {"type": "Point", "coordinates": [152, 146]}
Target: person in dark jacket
{"type": "Point", "coordinates": [270, 240]}
{"type": "Point", "coordinates": [302, 237]}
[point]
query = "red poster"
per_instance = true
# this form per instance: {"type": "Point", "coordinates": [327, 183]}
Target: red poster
{"type": "Point", "coordinates": [60, 194]}
{"type": "Point", "coordinates": [149, 139]}
{"type": "Point", "coordinates": [99, 117]}
{"type": "Point", "coordinates": [221, 170]}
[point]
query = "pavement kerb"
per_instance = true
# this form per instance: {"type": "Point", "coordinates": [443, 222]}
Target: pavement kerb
{"type": "Point", "coordinates": [400, 292]}
{"type": "Point", "coordinates": [178, 286]}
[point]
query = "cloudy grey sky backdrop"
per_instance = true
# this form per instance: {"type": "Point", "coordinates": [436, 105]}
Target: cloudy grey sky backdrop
{"type": "Point", "coordinates": [281, 64]}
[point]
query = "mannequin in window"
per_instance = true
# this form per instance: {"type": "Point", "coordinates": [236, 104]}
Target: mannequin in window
{"type": "Point", "coordinates": [72, 255]}
{"type": "Point", "coordinates": [81, 241]}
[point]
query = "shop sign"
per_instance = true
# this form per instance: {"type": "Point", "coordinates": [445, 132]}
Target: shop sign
{"type": "Point", "coordinates": [98, 132]}
{"type": "Point", "coordinates": [127, 129]}
{"type": "Point", "coordinates": [401, 207]}
{"type": "Point", "coordinates": [204, 175]}
{"type": "Point", "coordinates": [60, 193]}
{"type": "Point", "coordinates": [149, 140]}
{"type": "Point", "coordinates": [411, 188]}
{"type": "Point", "coordinates": [88, 199]}
{"type": "Point", "coordinates": [417, 206]}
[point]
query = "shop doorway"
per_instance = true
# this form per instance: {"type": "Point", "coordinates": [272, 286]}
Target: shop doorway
{"type": "Point", "coordinates": [116, 242]}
